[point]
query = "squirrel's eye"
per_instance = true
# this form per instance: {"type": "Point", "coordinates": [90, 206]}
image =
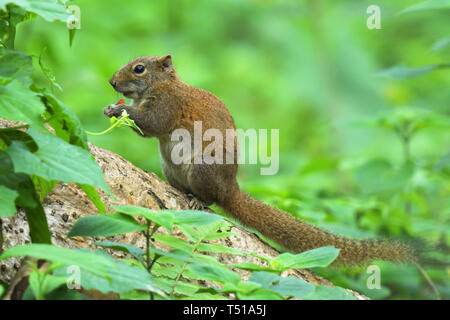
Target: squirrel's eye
{"type": "Point", "coordinates": [139, 69]}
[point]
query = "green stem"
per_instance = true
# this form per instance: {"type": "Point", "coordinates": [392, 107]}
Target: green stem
{"type": "Point", "coordinates": [103, 132]}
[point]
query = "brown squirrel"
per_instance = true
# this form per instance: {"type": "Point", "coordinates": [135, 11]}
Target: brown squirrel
{"type": "Point", "coordinates": [163, 103]}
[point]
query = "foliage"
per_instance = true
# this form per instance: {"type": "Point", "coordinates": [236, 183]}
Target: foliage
{"type": "Point", "coordinates": [363, 117]}
{"type": "Point", "coordinates": [162, 275]}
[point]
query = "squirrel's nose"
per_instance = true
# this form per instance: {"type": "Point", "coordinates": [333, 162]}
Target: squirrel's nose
{"type": "Point", "coordinates": [112, 82]}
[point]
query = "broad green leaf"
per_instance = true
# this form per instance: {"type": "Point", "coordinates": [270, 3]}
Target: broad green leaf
{"type": "Point", "coordinates": [329, 293]}
{"type": "Point", "coordinates": [48, 72]}
{"type": "Point", "coordinates": [7, 201]}
{"type": "Point", "coordinates": [285, 286]}
{"type": "Point", "coordinates": [104, 225]}
{"type": "Point", "coordinates": [42, 285]}
{"type": "Point", "coordinates": [440, 44]}
{"type": "Point", "coordinates": [174, 254]}
{"type": "Point", "coordinates": [194, 218]}
{"type": "Point", "coordinates": [403, 72]}
{"type": "Point", "coordinates": [18, 103]}
{"type": "Point", "coordinates": [319, 257]}
{"type": "Point", "coordinates": [428, 5]}
{"type": "Point", "coordinates": [136, 252]}
{"type": "Point", "coordinates": [260, 294]}
{"type": "Point", "coordinates": [218, 248]}
{"type": "Point", "coordinates": [213, 273]}
{"type": "Point", "coordinates": [122, 277]}
{"type": "Point", "coordinates": [173, 242]}
{"type": "Point", "coordinates": [66, 124]}
{"type": "Point", "coordinates": [139, 253]}
{"type": "Point", "coordinates": [50, 10]}
{"type": "Point", "coordinates": [203, 232]}
{"type": "Point", "coordinates": [56, 160]}
{"type": "Point", "coordinates": [15, 65]}
{"type": "Point", "coordinates": [37, 220]}
{"type": "Point", "coordinates": [250, 266]}
{"type": "Point", "coordinates": [94, 197]}
{"type": "Point", "coordinates": [43, 186]}
{"type": "Point", "coordinates": [164, 218]}
{"type": "Point", "coordinates": [95, 264]}
{"type": "Point", "coordinates": [244, 287]}
{"type": "Point", "coordinates": [8, 135]}
{"type": "Point", "coordinates": [27, 199]}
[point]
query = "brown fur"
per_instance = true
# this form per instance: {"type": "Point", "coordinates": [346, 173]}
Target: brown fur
{"type": "Point", "coordinates": [163, 103]}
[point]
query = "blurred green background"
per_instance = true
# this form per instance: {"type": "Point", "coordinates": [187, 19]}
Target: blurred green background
{"type": "Point", "coordinates": [313, 70]}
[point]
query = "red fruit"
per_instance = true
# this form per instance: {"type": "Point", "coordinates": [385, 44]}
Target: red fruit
{"type": "Point", "coordinates": [121, 101]}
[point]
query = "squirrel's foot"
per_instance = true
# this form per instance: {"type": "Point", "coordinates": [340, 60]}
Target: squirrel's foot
{"type": "Point", "coordinates": [114, 110]}
{"type": "Point", "coordinates": [195, 203]}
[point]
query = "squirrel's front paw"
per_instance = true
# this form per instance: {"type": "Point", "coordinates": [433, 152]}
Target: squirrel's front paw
{"type": "Point", "coordinates": [113, 110]}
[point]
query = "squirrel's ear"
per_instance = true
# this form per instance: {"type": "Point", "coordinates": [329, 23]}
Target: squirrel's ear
{"type": "Point", "coordinates": [166, 61]}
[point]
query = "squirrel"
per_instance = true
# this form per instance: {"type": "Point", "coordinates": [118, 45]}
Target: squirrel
{"type": "Point", "coordinates": [162, 103]}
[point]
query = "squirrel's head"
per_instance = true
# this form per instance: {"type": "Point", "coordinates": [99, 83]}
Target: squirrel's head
{"type": "Point", "coordinates": [141, 74]}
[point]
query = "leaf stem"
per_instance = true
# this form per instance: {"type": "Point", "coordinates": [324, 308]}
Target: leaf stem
{"type": "Point", "coordinates": [103, 132]}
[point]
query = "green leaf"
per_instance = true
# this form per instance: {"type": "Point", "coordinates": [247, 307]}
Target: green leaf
{"type": "Point", "coordinates": [15, 65]}
{"type": "Point", "coordinates": [43, 284]}
{"type": "Point", "coordinates": [56, 160]}
{"type": "Point", "coordinates": [122, 278]}
{"type": "Point", "coordinates": [195, 218]}
{"type": "Point", "coordinates": [66, 124]}
{"type": "Point", "coordinates": [175, 254]}
{"type": "Point", "coordinates": [173, 242]}
{"type": "Point", "coordinates": [95, 264]}
{"type": "Point", "coordinates": [94, 196]}
{"type": "Point", "coordinates": [403, 72]}
{"type": "Point", "coordinates": [428, 5]}
{"type": "Point", "coordinates": [104, 225]}
{"type": "Point", "coordinates": [136, 252]}
{"type": "Point", "coordinates": [27, 199]}
{"type": "Point", "coordinates": [18, 103]}
{"type": "Point", "coordinates": [244, 287]}
{"type": "Point", "coordinates": [164, 218]}
{"type": "Point", "coordinates": [50, 10]}
{"type": "Point", "coordinates": [47, 72]}
{"type": "Point", "coordinates": [319, 257]}
{"type": "Point", "coordinates": [8, 135]}
{"type": "Point", "coordinates": [329, 293]}
{"type": "Point", "coordinates": [43, 186]}
{"type": "Point", "coordinates": [7, 201]}
{"type": "Point", "coordinates": [213, 273]}
{"type": "Point", "coordinates": [203, 232]}
{"type": "Point", "coordinates": [250, 266]}
{"type": "Point", "coordinates": [440, 44]}
{"type": "Point", "coordinates": [218, 248]}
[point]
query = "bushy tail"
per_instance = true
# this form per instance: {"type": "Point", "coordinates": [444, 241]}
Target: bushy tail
{"type": "Point", "coordinates": [298, 236]}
